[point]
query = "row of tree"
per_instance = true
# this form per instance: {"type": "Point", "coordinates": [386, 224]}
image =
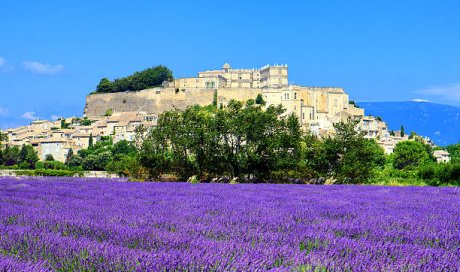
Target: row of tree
{"type": "Point", "coordinates": [245, 141]}
{"type": "Point", "coordinates": [148, 78]}
{"type": "Point", "coordinates": [24, 157]}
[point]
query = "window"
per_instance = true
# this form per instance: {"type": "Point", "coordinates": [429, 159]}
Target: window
{"type": "Point", "coordinates": [303, 115]}
{"type": "Point", "coordinates": [295, 95]}
{"type": "Point", "coordinates": [280, 80]}
{"type": "Point", "coordinates": [280, 72]}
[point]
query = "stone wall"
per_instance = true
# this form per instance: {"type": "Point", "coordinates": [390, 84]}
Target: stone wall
{"type": "Point", "coordinates": [158, 100]}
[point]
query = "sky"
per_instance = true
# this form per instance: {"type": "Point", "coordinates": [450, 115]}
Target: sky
{"type": "Point", "coordinates": [53, 53]}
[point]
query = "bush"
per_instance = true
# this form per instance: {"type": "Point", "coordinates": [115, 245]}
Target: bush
{"type": "Point", "coordinates": [24, 165]}
{"type": "Point", "coordinates": [49, 157]}
{"type": "Point", "coordinates": [54, 165]}
{"type": "Point", "coordinates": [50, 173]}
{"type": "Point", "coordinates": [428, 171]}
{"type": "Point", "coordinates": [455, 173]}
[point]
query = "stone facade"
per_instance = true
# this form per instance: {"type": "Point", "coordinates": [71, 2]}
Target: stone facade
{"type": "Point", "coordinates": [318, 108]}
{"type": "Point", "coordinates": [269, 76]}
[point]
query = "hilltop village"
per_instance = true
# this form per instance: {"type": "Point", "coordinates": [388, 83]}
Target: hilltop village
{"type": "Point", "coordinates": [118, 114]}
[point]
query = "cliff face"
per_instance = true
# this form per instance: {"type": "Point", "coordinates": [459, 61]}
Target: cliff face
{"type": "Point", "coordinates": [158, 100]}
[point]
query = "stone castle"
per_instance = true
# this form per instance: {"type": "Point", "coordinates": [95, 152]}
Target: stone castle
{"type": "Point", "coordinates": [318, 108]}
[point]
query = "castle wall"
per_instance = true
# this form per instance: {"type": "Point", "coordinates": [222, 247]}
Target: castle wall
{"type": "Point", "coordinates": [158, 100]}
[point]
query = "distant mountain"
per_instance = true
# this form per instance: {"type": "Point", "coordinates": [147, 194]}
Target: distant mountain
{"type": "Point", "coordinates": [439, 122]}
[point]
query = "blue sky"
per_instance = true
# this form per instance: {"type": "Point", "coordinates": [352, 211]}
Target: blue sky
{"type": "Point", "coordinates": [53, 53]}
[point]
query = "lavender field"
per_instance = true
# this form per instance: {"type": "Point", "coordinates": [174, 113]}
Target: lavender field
{"type": "Point", "coordinates": [81, 225]}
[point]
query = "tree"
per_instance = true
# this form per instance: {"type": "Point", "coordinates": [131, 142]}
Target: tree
{"type": "Point", "coordinates": [64, 125]}
{"type": "Point", "coordinates": [123, 148]}
{"type": "Point", "coordinates": [49, 157]}
{"type": "Point", "coordinates": [151, 77]}
{"type": "Point", "coordinates": [11, 156]}
{"type": "Point", "coordinates": [214, 99]}
{"type": "Point", "coordinates": [75, 161]}
{"type": "Point", "coordinates": [409, 154]}
{"type": "Point", "coordinates": [105, 86]}
{"type": "Point", "coordinates": [27, 156]}
{"type": "Point", "coordinates": [155, 152]}
{"type": "Point", "coordinates": [260, 100]}
{"type": "Point", "coordinates": [85, 122]}
{"type": "Point", "coordinates": [89, 163]}
{"type": "Point", "coordinates": [108, 112]}
{"type": "Point", "coordinates": [69, 155]}
{"type": "Point", "coordinates": [3, 138]}
{"type": "Point", "coordinates": [240, 140]}
{"type": "Point", "coordinates": [348, 156]}
{"type": "Point", "coordinates": [402, 131]}
{"type": "Point", "coordinates": [90, 141]}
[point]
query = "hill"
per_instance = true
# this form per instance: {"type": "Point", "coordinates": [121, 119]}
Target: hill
{"type": "Point", "coordinates": [439, 122]}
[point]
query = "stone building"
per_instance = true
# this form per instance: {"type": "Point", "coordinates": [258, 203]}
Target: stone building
{"type": "Point", "coordinates": [441, 156]}
{"type": "Point", "coordinates": [275, 76]}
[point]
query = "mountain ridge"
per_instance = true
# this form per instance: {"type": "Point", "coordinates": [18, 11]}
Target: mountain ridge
{"type": "Point", "coordinates": [440, 122]}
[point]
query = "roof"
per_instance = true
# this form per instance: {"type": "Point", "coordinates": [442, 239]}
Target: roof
{"type": "Point", "coordinates": [226, 66]}
{"type": "Point", "coordinates": [81, 134]}
{"type": "Point", "coordinates": [50, 140]}
{"type": "Point", "coordinates": [440, 153]}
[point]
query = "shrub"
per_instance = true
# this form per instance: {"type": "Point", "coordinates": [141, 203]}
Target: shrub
{"type": "Point", "coordinates": [427, 171]}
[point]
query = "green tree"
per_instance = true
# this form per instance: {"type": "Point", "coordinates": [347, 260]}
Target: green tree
{"type": "Point", "coordinates": [348, 156]}
{"type": "Point", "coordinates": [126, 165]}
{"type": "Point", "coordinates": [108, 112]}
{"type": "Point", "coordinates": [102, 159]}
{"type": "Point", "coordinates": [3, 138]}
{"type": "Point", "coordinates": [11, 156]}
{"type": "Point", "coordinates": [64, 125]}
{"type": "Point", "coordinates": [49, 157]}
{"type": "Point", "coordinates": [409, 154]}
{"type": "Point", "coordinates": [85, 122]}
{"type": "Point", "coordinates": [75, 161]}
{"type": "Point", "coordinates": [151, 77]}
{"type": "Point", "coordinates": [89, 163]}
{"type": "Point", "coordinates": [402, 131]}
{"type": "Point", "coordinates": [90, 141]}
{"type": "Point", "coordinates": [105, 86]}
{"type": "Point", "coordinates": [214, 99]}
{"type": "Point", "coordinates": [123, 148]}
{"type": "Point", "coordinates": [154, 153]}
{"type": "Point", "coordinates": [27, 156]}
{"type": "Point", "coordinates": [260, 100]}
{"type": "Point", "coordinates": [69, 155]}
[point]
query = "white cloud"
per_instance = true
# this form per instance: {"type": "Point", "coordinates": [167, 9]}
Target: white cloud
{"type": "Point", "coordinates": [43, 68]}
{"type": "Point", "coordinates": [450, 92]}
{"type": "Point", "coordinates": [55, 117]}
{"type": "Point", "coordinates": [420, 100]}
{"type": "Point", "coordinates": [2, 61]}
{"type": "Point", "coordinates": [4, 111]}
{"type": "Point", "coordinates": [30, 115]}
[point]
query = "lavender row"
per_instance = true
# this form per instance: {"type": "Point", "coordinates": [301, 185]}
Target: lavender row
{"type": "Point", "coordinates": [68, 225]}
